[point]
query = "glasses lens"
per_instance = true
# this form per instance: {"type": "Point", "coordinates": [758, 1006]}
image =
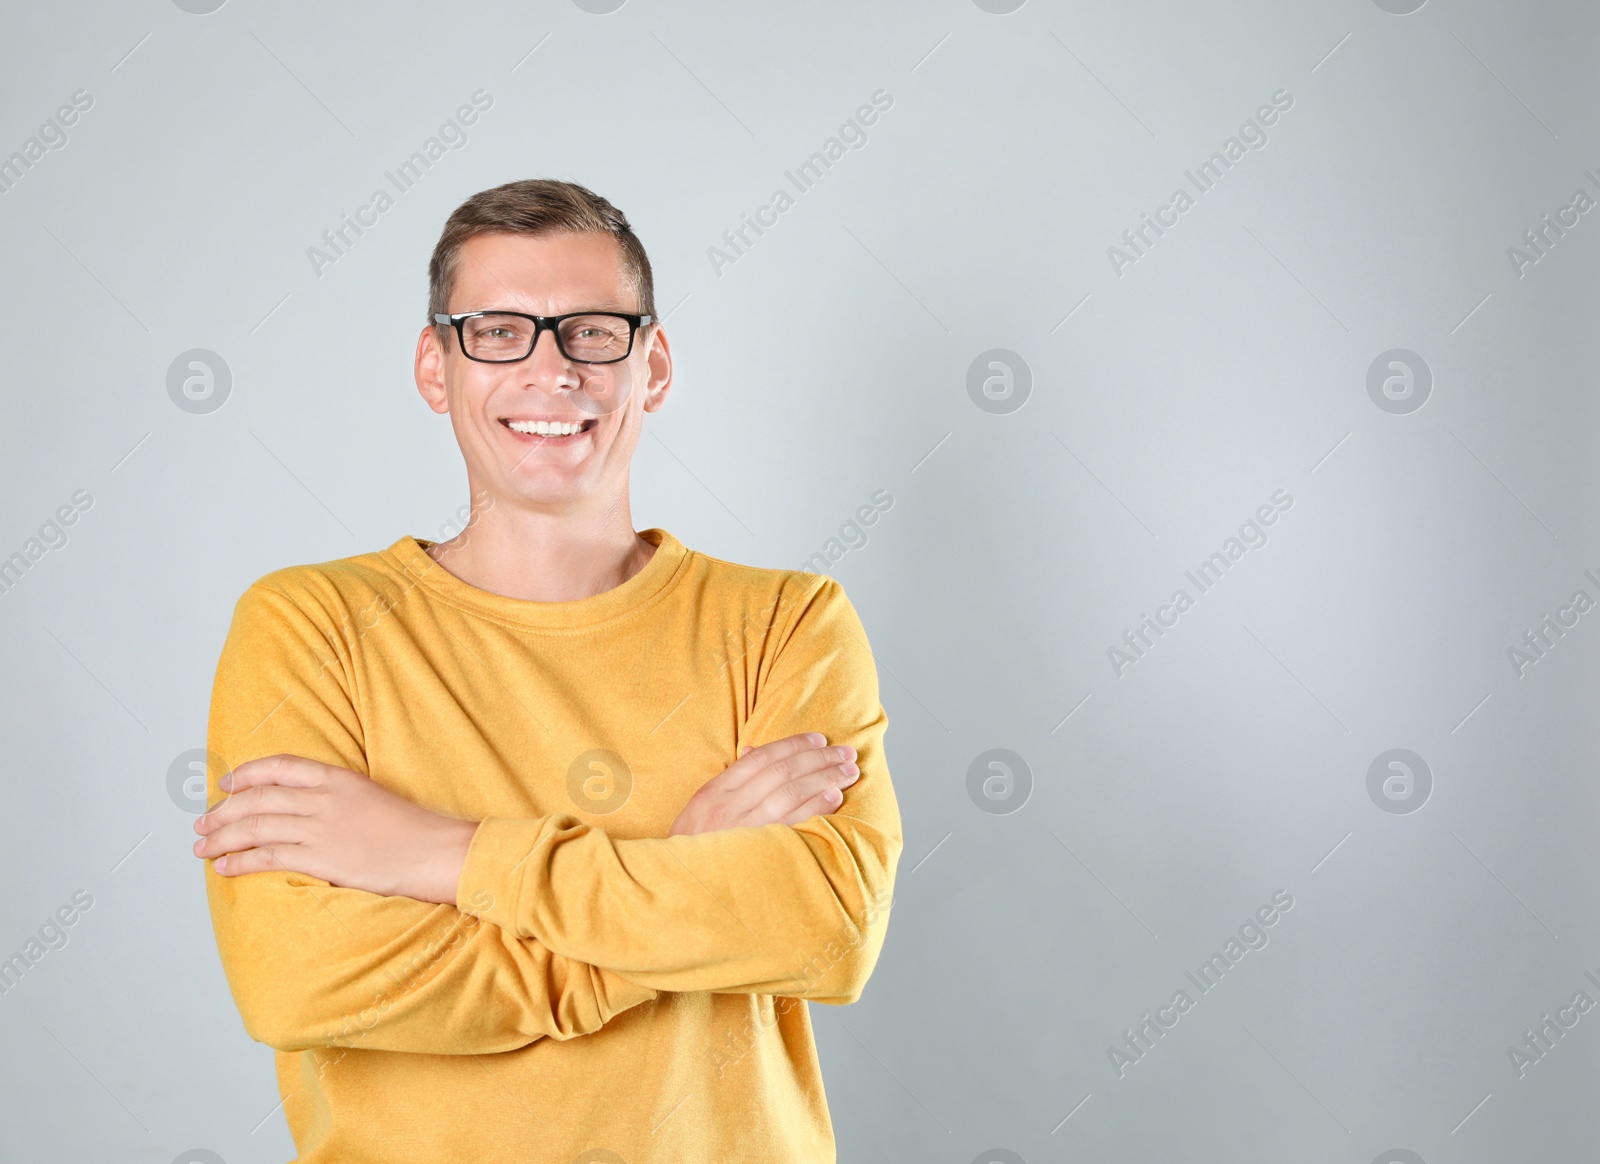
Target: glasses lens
{"type": "Point", "coordinates": [596, 338]}
{"type": "Point", "coordinates": [497, 337]}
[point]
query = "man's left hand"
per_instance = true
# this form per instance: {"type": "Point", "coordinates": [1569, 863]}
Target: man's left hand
{"type": "Point", "coordinates": [288, 813]}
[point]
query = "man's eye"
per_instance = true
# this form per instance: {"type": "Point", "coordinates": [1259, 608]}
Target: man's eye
{"type": "Point", "coordinates": [496, 333]}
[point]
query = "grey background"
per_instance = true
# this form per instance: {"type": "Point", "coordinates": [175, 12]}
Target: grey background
{"type": "Point", "coordinates": [830, 361]}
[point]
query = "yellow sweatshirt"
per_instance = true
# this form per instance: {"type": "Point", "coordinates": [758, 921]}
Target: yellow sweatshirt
{"type": "Point", "coordinates": [602, 988]}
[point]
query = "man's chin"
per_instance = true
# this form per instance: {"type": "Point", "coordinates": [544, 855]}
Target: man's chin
{"type": "Point", "coordinates": [547, 493]}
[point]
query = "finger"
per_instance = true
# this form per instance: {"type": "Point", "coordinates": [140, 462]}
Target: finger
{"type": "Point", "coordinates": [789, 768]}
{"type": "Point", "coordinates": [837, 760]}
{"type": "Point", "coordinates": [819, 805]}
{"type": "Point", "coordinates": [789, 795]}
{"type": "Point", "coordinates": [252, 832]}
{"type": "Point", "coordinates": [756, 759]}
{"type": "Point", "coordinates": [293, 771]}
{"type": "Point", "coordinates": [263, 798]}
{"type": "Point", "coordinates": [752, 759]}
{"type": "Point", "coordinates": [268, 860]}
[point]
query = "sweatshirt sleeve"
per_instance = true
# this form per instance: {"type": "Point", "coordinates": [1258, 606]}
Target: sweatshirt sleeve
{"type": "Point", "coordinates": [314, 965]}
{"type": "Point", "coordinates": [797, 910]}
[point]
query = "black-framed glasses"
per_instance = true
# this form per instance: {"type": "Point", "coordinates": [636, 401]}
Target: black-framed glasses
{"type": "Point", "coordinates": [585, 337]}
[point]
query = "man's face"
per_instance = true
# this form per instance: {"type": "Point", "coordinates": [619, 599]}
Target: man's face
{"type": "Point", "coordinates": [545, 275]}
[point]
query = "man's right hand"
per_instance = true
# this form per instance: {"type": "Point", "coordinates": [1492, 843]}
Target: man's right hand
{"type": "Point", "coordinates": [784, 782]}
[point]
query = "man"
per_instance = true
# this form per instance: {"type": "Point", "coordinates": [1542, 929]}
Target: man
{"type": "Point", "coordinates": [537, 840]}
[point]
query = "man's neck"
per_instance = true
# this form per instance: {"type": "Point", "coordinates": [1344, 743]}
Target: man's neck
{"type": "Point", "coordinates": [545, 557]}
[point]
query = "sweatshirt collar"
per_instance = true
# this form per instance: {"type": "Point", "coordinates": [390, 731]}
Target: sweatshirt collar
{"type": "Point", "coordinates": [650, 583]}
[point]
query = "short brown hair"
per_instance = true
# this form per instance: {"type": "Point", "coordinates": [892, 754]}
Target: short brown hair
{"type": "Point", "coordinates": [535, 206]}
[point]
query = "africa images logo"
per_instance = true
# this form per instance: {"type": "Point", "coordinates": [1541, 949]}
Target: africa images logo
{"type": "Point", "coordinates": [199, 381]}
{"type": "Point", "coordinates": [999, 381]}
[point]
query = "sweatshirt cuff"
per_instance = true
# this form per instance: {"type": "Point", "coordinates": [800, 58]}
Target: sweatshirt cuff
{"type": "Point", "coordinates": [495, 870]}
{"type": "Point", "coordinates": [616, 994]}
{"type": "Point", "coordinates": [492, 877]}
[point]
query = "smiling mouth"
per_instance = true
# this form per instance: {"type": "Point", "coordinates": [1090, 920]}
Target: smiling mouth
{"type": "Point", "coordinates": [550, 430]}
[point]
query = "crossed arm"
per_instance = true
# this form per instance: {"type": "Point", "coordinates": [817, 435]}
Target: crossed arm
{"type": "Point", "coordinates": [346, 915]}
{"type": "Point", "coordinates": [294, 814]}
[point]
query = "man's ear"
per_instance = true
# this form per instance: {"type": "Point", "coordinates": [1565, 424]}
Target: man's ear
{"type": "Point", "coordinates": [430, 370]}
{"type": "Point", "coordinates": [659, 365]}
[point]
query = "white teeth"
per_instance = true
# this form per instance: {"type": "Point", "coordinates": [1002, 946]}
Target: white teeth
{"type": "Point", "coordinates": [544, 427]}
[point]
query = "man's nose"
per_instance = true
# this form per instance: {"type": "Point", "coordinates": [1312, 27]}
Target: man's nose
{"type": "Point", "coordinates": [547, 367]}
